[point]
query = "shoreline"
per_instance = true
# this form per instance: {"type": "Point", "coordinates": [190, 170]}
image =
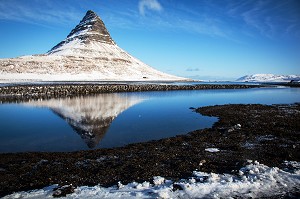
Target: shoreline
{"type": "Point", "coordinates": [266, 133]}
{"type": "Point", "coordinates": [15, 93]}
{"type": "Point", "coordinates": [18, 93]}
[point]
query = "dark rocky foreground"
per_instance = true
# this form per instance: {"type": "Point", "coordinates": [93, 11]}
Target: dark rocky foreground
{"type": "Point", "coordinates": [268, 134]}
{"type": "Point", "coordinates": [27, 92]}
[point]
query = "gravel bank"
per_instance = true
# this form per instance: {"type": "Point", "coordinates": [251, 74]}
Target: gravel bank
{"type": "Point", "coordinates": [27, 92]}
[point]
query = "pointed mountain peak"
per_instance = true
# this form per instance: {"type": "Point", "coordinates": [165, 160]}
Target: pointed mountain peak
{"type": "Point", "coordinates": [90, 29]}
{"type": "Point", "coordinates": [87, 54]}
{"type": "Point", "coordinates": [90, 13]}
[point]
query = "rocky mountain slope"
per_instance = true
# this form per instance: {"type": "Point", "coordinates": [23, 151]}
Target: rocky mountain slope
{"type": "Point", "coordinates": [268, 78]}
{"type": "Point", "coordinates": [87, 54]}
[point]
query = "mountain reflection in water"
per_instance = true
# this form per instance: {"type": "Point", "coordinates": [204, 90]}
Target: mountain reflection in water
{"type": "Point", "coordinates": [89, 116]}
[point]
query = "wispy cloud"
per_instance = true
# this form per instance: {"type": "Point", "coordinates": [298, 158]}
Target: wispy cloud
{"type": "Point", "coordinates": [150, 5]}
{"type": "Point", "coordinates": [212, 77]}
{"type": "Point", "coordinates": [42, 13]}
{"type": "Point", "coordinates": [271, 19]}
{"type": "Point", "coordinates": [228, 19]}
{"type": "Point", "coordinates": [197, 18]}
{"type": "Point", "coordinates": [192, 69]}
{"type": "Point", "coordinates": [207, 27]}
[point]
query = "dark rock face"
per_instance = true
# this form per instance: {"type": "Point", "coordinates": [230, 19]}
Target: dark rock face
{"type": "Point", "coordinates": [92, 22]}
{"type": "Point", "coordinates": [91, 28]}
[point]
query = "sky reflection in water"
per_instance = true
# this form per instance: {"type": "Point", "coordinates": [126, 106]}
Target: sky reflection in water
{"type": "Point", "coordinates": [117, 119]}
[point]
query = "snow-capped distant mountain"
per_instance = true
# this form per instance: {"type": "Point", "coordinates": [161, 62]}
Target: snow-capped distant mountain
{"type": "Point", "coordinates": [87, 54]}
{"type": "Point", "coordinates": [269, 78]}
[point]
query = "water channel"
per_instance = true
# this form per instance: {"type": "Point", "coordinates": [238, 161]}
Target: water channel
{"type": "Point", "coordinates": [117, 119]}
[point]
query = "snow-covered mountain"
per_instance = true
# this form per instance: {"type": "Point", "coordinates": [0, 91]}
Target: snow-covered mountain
{"type": "Point", "coordinates": [89, 116]}
{"type": "Point", "coordinates": [87, 54]}
{"type": "Point", "coordinates": [268, 78]}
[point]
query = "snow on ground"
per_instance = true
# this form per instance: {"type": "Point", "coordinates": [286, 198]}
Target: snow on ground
{"type": "Point", "coordinates": [75, 61]}
{"type": "Point", "coordinates": [212, 150]}
{"type": "Point", "coordinates": [87, 54]}
{"type": "Point", "coordinates": [254, 180]}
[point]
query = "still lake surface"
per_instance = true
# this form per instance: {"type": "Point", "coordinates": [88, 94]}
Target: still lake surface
{"type": "Point", "coordinates": [117, 119]}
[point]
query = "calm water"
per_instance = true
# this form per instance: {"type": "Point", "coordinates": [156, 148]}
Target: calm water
{"type": "Point", "coordinates": [110, 120]}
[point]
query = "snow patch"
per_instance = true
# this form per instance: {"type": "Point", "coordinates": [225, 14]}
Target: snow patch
{"type": "Point", "coordinates": [254, 181]}
{"type": "Point", "coordinates": [212, 150]}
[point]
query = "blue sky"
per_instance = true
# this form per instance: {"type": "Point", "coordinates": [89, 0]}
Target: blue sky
{"type": "Point", "coordinates": [212, 39]}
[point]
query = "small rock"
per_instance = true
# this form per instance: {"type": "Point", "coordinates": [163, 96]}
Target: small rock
{"type": "Point", "coordinates": [202, 162]}
{"type": "Point", "coordinates": [177, 187]}
{"type": "Point", "coordinates": [235, 127]}
{"type": "Point", "coordinates": [63, 191]}
{"type": "Point", "coordinates": [2, 169]}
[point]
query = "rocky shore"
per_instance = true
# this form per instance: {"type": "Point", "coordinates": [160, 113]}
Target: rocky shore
{"type": "Point", "coordinates": [27, 92]}
{"type": "Point", "coordinates": [268, 134]}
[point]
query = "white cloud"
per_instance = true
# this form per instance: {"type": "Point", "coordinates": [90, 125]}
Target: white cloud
{"type": "Point", "coordinates": [150, 5]}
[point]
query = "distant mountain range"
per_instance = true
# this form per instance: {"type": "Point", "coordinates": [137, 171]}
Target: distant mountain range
{"type": "Point", "coordinates": [87, 54]}
{"type": "Point", "coordinates": [268, 78]}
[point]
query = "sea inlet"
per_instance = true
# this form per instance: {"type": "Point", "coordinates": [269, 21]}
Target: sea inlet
{"type": "Point", "coordinates": [109, 120]}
